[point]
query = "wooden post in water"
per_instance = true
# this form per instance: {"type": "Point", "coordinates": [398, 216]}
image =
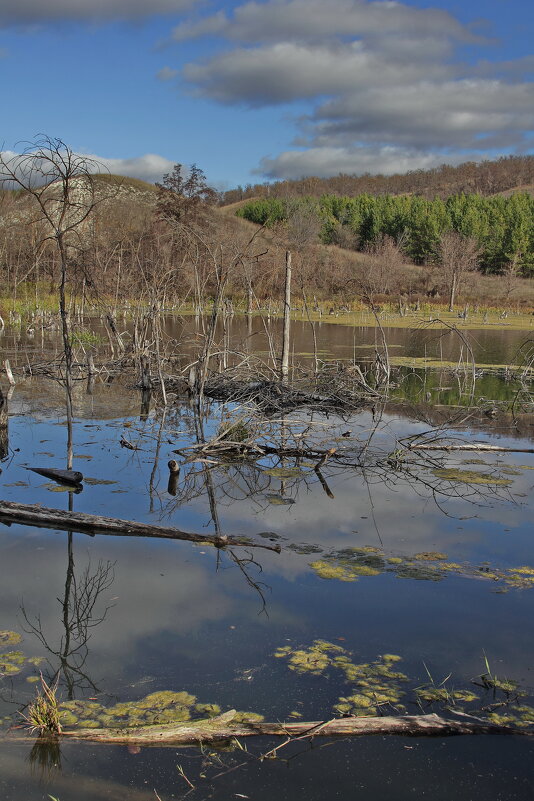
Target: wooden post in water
{"type": "Point", "coordinates": [4, 436]}
{"type": "Point", "coordinates": [284, 371]}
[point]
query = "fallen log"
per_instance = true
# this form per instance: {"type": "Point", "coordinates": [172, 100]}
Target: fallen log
{"type": "Point", "coordinates": [42, 517]}
{"type": "Point", "coordinates": [224, 727]}
{"type": "Point", "coordinates": [476, 446]}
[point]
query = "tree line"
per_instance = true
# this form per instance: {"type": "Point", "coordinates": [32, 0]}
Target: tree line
{"type": "Point", "coordinates": [502, 227]}
{"type": "Point", "coordinates": [483, 178]}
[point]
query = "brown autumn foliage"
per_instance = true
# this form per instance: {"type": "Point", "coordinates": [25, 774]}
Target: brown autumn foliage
{"type": "Point", "coordinates": [484, 178]}
{"type": "Point", "coordinates": [170, 244]}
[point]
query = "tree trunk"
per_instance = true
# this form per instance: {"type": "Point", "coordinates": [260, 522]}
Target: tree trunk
{"type": "Point", "coordinates": [452, 294]}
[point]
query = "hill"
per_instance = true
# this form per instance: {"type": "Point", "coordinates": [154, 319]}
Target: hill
{"type": "Point", "coordinates": [506, 174]}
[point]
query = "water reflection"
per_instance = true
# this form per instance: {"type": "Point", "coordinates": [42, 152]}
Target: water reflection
{"type": "Point", "coordinates": [80, 614]}
{"type": "Point", "coordinates": [184, 617]}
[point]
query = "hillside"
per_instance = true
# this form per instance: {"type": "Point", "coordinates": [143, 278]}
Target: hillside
{"type": "Point", "coordinates": [506, 174]}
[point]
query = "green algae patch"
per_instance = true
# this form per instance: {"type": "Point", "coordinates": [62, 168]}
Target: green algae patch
{"type": "Point", "coordinates": [9, 638]}
{"type": "Point", "coordinates": [328, 570]}
{"type": "Point", "coordinates": [470, 477]}
{"type": "Point", "coordinates": [443, 695]}
{"type": "Point", "coordinates": [431, 556]}
{"type": "Point", "coordinates": [374, 685]}
{"type": "Point", "coordinates": [158, 708]}
{"type": "Point", "coordinates": [12, 663]}
{"type": "Point", "coordinates": [351, 564]}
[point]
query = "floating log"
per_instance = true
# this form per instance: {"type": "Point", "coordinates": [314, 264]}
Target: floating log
{"type": "Point", "coordinates": [71, 477]}
{"type": "Point", "coordinates": [224, 727]}
{"type": "Point", "coordinates": [475, 446]}
{"type": "Point", "coordinates": [42, 517]}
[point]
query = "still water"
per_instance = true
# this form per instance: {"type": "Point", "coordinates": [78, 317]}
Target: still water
{"type": "Point", "coordinates": [390, 558]}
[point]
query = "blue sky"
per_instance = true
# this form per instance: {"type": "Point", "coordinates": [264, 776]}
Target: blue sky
{"type": "Point", "coordinates": [270, 89]}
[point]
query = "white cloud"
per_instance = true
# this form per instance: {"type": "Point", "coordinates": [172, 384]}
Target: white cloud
{"type": "Point", "coordinates": [289, 71]}
{"type": "Point", "coordinates": [387, 87]}
{"type": "Point", "coordinates": [149, 167]}
{"type": "Point", "coordinates": [325, 161]}
{"type": "Point", "coordinates": [31, 11]}
{"type": "Point", "coordinates": [305, 20]}
{"type": "Point", "coordinates": [428, 114]}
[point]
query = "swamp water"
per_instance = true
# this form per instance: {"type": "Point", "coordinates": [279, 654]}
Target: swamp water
{"type": "Point", "coordinates": [406, 584]}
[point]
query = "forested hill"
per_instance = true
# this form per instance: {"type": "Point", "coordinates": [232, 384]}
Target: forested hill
{"type": "Point", "coordinates": [502, 228]}
{"type": "Point", "coordinates": [484, 178]}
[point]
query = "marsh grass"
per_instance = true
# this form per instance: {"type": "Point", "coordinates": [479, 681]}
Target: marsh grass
{"type": "Point", "coordinates": [43, 713]}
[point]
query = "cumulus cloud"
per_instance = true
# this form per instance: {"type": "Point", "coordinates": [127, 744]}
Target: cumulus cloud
{"type": "Point", "coordinates": [325, 161]}
{"type": "Point", "coordinates": [289, 71]}
{"type": "Point", "coordinates": [312, 20]}
{"type": "Point", "coordinates": [149, 167]}
{"type": "Point", "coordinates": [32, 11]}
{"type": "Point", "coordinates": [386, 86]}
{"type": "Point", "coordinates": [428, 114]}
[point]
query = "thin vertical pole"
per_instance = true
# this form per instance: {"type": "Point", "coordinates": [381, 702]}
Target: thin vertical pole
{"type": "Point", "coordinates": [287, 314]}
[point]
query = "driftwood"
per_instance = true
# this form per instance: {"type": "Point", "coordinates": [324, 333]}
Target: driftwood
{"type": "Point", "coordinates": [475, 446]}
{"type": "Point", "coordinates": [71, 477]}
{"type": "Point", "coordinates": [218, 447]}
{"type": "Point", "coordinates": [224, 727]}
{"type": "Point", "coordinates": [41, 517]}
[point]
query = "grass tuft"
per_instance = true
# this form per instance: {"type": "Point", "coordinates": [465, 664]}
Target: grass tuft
{"type": "Point", "coordinates": [43, 714]}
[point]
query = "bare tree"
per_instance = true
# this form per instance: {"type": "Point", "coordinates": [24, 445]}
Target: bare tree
{"type": "Point", "coordinates": [60, 190]}
{"type": "Point", "coordinates": [388, 261]}
{"type": "Point", "coordinates": [458, 255]}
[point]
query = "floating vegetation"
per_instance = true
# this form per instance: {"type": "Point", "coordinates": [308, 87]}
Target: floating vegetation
{"type": "Point", "coordinates": [156, 708]}
{"type": "Point", "coordinates": [9, 638]}
{"type": "Point", "coordinates": [443, 695]}
{"type": "Point", "coordinates": [377, 687]}
{"type": "Point", "coordinates": [375, 684]}
{"type": "Point", "coordinates": [470, 477]}
{"type": "Point", "coordinates": [430, 556]}
{"type": "Point", "coordinates": [13, 662]}
{"type": "Point", "coordinates": [350, 564]}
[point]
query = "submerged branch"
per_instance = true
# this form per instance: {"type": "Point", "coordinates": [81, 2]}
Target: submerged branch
{"type": "Point", "coordinates": [42, 517]}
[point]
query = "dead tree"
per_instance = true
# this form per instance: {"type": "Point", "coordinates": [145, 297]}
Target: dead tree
{"type": "Point", "coordinates": [60, 189]}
